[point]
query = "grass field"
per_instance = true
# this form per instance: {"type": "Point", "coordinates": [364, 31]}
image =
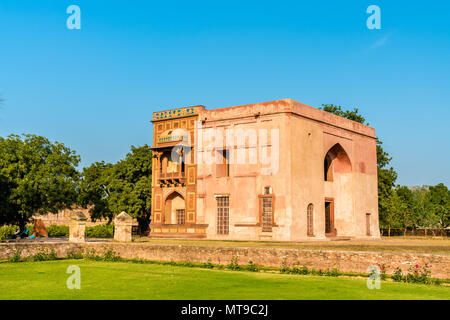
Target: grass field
{"type": "Point", "coordinates": [393, 244]}
{"type": "Point", "coordinates": [124, 280]}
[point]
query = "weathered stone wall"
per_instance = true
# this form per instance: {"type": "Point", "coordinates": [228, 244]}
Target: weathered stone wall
{"type": "Point", "coordinates": [343, 260]}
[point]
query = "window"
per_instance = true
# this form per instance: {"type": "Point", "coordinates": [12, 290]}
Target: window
{"type": "Point", "coordinates": [368, 224]}
{"type": "Point", "coordinates": [267, 190]}
{"type": "Point", "coordinates": [267, 217]}
{"type": "Point", "coordinates": [310, 219]}
{"type": "Point", "coordinates": [223, 214]}
{"type": "Point", "coordinates": [222, 164]}
{"type": "Point", "coordinates": [181, 216]}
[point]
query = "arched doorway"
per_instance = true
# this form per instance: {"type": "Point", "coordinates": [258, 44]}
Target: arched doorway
{"type": "Point", "coordinates": [174, 209]}
{"type": "Point", "coordinates": [339, 191]}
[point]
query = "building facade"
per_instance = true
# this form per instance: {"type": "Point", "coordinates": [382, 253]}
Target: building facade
{"type": "Point", "coordinates": [278, 170]}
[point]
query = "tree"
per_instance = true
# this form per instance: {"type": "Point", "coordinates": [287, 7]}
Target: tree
{"type": "Point", "coordinates": [94, 190]}
{"type": "Point", "coordinates": [351, 115]}
{"type": "Point", "coordinates": [6, 216]}
{"type": "Point", "coordinates": [131, 185]}
{"type": "Point", "coordinates": [124, 186]}
{"type": "Point", "coordinates": [395, 208]}
{"type": "Point", "coordinates": [405, 194]}
{"type": "Point", "coordinates": [386, 176]}
{"type": "Point", "coordinates": [37, 176]}
{"type": "Point", "coordinates": [439, 201]}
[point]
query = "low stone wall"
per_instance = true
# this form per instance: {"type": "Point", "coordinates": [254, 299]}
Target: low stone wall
{"type": "Point", "coordinates": [345, 261]}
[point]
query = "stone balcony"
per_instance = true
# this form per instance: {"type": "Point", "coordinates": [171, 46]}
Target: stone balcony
{"type": "Point", "coordinates": [169, 178]}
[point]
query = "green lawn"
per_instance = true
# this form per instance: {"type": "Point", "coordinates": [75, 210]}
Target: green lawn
{"type": "Point", "coordinates": [122, 280]}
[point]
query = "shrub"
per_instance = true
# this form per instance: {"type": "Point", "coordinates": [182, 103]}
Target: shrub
{"type": "Point", "coordinates": [317, 272]}
{"type": "Point", "coordinates": [58, 231]}
{"type": "Point", "coordinates": [90, 254]}
{"type": "Point", "coordinates": [302, 270]}
{"type": "Point", "coordinates": [416, 274]}
{"type": "Point", "coordinates": [397, 275]}
{"type": "Point", "coordinates": [45, 255]}
{"type": "Point", "coordinates": [382, 267]}
{"type": "Point", "coordinates": [332, 273]}
{"type": "Point", "coordinates": [74, 254]}
{"type": "Point", "coordinates": [284, 266]}
{"type": "Point", "coordinates": [208, 264]}
{"type": "Point", "coordinates": [100, 231]}
{"type": "Point", "coordinates": [111, 255]}
{"type": "Point", "coordinates": [16, 256]}
{"type": "Point", "coordinates": [234, 264]}
{"type": "Point", "coordinates": [6, 232]}
{"type": "Point", "coordinates": [252, 267]}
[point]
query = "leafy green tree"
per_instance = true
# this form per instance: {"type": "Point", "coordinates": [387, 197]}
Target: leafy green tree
{"type": "Point", "coordinates": [131, 185]}
{"type": "Point", "coordinates": [6, 215]}
{"type": "Point", "coordinates": [37, 176]}
{"type": "Point", "coordinates": [406, 196]}
{"type": "Point", "coordinates": [386, 176]}
{"type": "Point", "coordinates": [395, 209]}
{"type": "Point", "coordinates": [349, 114]}
{"type": "Point", "coordinates": [94, 190]}
{"type": "Point", "coordinates": [439, 201]}
{"type": "Point", "coordinates": [124, 186]}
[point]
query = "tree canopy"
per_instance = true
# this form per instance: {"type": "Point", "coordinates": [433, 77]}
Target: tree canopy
{"type": "Point", "coordinates": [36, 176]}
{"type": "Point", "coordinates": [125, 186]}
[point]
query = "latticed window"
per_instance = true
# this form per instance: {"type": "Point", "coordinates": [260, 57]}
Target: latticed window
{"type": "Point", "coordinates": [267, 217]}
{"type": "Point", "coordinates": [181, 216]}
{"type": "Point", "coordinates": [223, 214]}
{"type": "Point", "coordinates": [310, 219]}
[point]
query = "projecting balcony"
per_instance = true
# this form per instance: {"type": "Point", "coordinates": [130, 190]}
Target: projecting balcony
{"type": "Point", "coordinates": [171, 178]}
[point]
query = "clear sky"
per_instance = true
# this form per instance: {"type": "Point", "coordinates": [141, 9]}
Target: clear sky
{"type": "Point", "coordinates": [95, 89]}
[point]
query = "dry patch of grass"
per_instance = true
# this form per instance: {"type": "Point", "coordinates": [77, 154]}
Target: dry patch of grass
{"type": "Point", "coordinates": [393, 244]}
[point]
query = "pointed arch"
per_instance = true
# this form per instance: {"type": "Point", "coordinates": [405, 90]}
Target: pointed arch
{"type": "Point", "coordinates": [172, 195]}
{"type": "Point", "coordinates": [336, 161]}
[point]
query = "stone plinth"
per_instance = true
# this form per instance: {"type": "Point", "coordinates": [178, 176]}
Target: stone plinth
{"type": "Point", "coordinates": [77, 227]}
{"type": "Point", "coordinates": [123, 225]}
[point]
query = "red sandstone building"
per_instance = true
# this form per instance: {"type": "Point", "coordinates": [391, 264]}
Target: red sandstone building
{"type": "Point", "coordinates": [278, 170]}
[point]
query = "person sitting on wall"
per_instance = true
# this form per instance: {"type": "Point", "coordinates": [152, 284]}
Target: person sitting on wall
{"type": "Point", "coordinates": [16, 233]}
{"type": "Point", "coordinates": [25, 233]}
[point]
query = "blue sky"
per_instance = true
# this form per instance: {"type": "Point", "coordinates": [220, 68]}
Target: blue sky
{"type": "Point", "coordinates": [95, 89]}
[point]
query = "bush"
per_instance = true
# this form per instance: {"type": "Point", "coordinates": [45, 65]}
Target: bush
{"type": "Point", "coordinates": [284, 266]}
{"type": "Point", "coordinates": [416, 274]}
{"type": "Point", "coordinates": [302, 270]}
{"type": "Point", "coordinates": [234, 264]}
{"type": "Point", "coordinates": [7, 232]}
{"type": "Point", "coordinates": [45, 255]}
{"type": "Point", "coordinates": [58, 231]}
{"type": "Point", "coordinates": [252, 267]}
{"type": "Point", "coordinates": [208, 264]}
{"type": "Point", "coordinates": [332, 273]}
{"type": "Point", "coordinates": [74, 254]}
{"type": "Point", "coordinates": [91, 254]}
{"type": "Point", "coordinates": [398, 275]}
{"type": "Point", "coordinates": [16, 257]}
{"type": "Point", "coordinates": [100, 231]}
{"type": "Point", "coordinates": [111, 255]}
